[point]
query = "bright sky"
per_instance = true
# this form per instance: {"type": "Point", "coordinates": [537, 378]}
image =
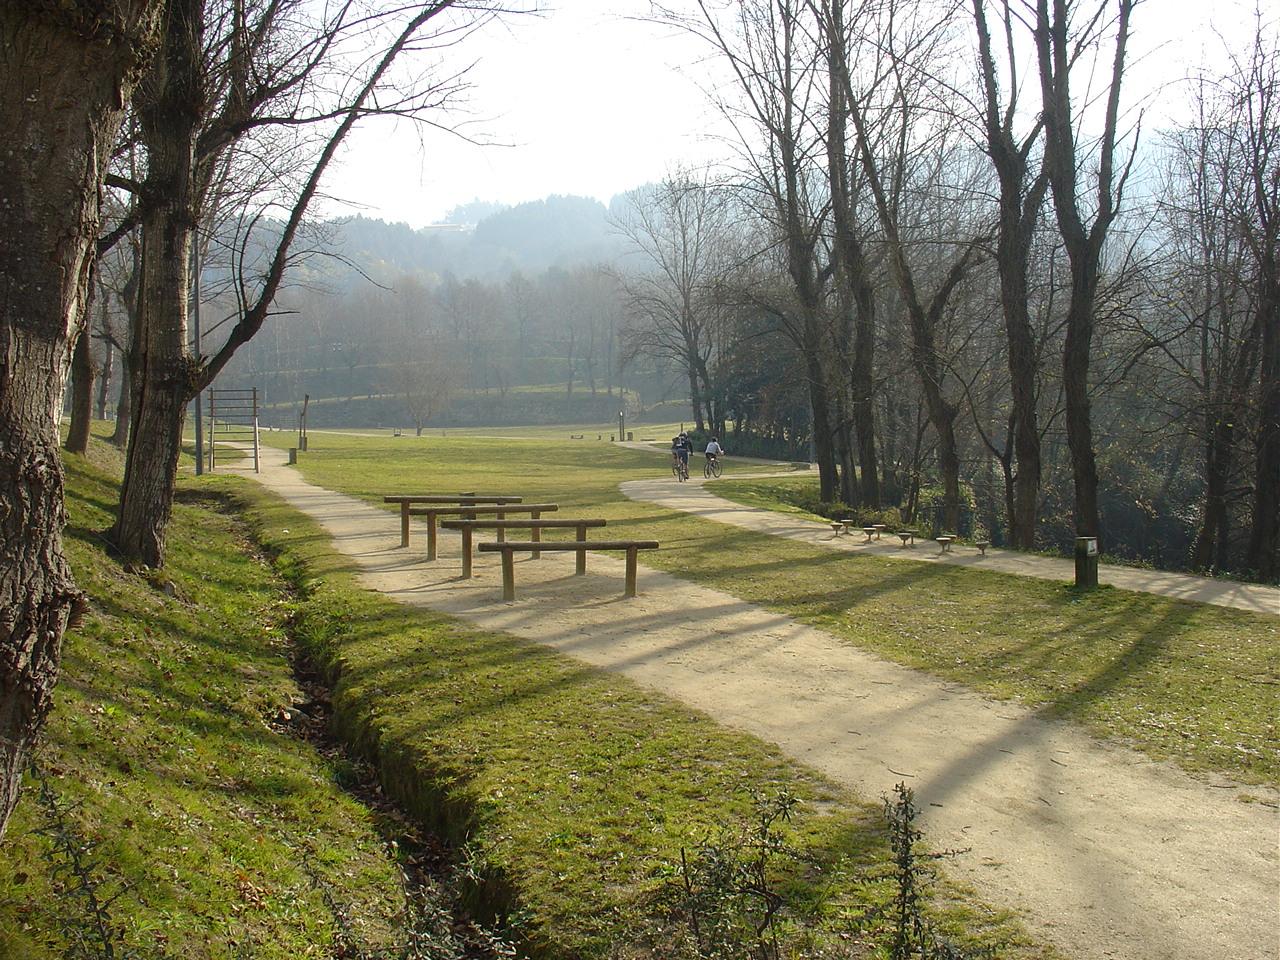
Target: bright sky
{"type": "Point", "coordinates": [595, 102]}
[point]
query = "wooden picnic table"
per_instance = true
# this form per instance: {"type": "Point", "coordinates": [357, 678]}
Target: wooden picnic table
{"type": "Point", "coordinates": [535, 528]}
{"type": "Point", "coordinates": [470, 511]}
{"type": "Point", "coordinates": [509, 549]}
{"type": "Point", "coordinates": [407, 500]}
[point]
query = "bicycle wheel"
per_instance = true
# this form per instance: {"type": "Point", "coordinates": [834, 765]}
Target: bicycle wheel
{"type": "Point", "coordinates": [706, 469]}
{"type": "Point", "coordinates": [716, 467]}
{"type": "Point", "coordinates": [675, 470]}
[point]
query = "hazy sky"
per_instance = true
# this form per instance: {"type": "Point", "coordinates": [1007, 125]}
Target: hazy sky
{"type": "Point", "coordinates": [595, 101]}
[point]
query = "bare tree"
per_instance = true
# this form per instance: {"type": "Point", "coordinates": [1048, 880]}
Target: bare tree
{"type": "Point", "coordinates": [769, 49]}
{"type": "Point", "coordinates": [1062, 28]}
{"type": "Point", "coordinates": [1254, 90]}
{"type": "Point", "coordinates": [1022, 195]}
{"type": "Point", "coordinates": [68, 70]}
{"type": "Point", "coordinates": [201, 100]}
{"type": "Point", "coordinates": [900, 84]}
{"type": "Point", "coordinates": [678, 229]}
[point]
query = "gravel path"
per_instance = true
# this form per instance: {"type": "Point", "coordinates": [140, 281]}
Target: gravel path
{"type": "Point", "coordinates": [1105, 852]}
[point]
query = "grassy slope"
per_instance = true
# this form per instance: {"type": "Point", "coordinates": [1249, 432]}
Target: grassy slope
{"type": "Point", "coordinates": [161, 737]}
{"type": "Point", "coordinates": [1184, 681]}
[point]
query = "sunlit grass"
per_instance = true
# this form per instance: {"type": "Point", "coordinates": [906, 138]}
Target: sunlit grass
{"type": "Point", "coordinates": [161, 738]}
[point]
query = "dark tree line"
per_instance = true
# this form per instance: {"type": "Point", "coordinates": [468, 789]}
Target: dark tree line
{"type": "Point", "coordinates": [973, 292]}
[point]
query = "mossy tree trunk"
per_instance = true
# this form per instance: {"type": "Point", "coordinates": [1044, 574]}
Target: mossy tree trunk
{"type": "Point", "coordinates": [68, 71]}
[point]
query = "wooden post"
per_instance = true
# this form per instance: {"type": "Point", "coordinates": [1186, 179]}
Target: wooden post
{"type": "Point", "coordinates": [466, 553]}
{"type": "Point", "coordinates": [535, 534]}
{"type": "Point", "coordinates": [508, 575]}
{"type": "Point", "coordinates": [630, 589]}
{"type": "Point", "coordinates": [581, 567]}
{"type": "Point", "coordinates": [404, 523]}
{"type": "Point", "coordinates": [431, 534]}
{"type": "Point", "coordinates": [502, 534]}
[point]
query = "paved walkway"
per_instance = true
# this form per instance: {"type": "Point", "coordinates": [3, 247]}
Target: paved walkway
{"type": "Point", "coordinates": [697, 497]}
{"type": "Point", "coordinates": [1105, 852]}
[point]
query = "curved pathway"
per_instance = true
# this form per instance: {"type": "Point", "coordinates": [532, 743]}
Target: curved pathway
{"type": "Point", "coordinates": [695, 497]}
{"type": "Point", "coordinates": [1104, 852]}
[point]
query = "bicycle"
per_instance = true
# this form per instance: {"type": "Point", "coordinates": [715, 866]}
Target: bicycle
{"type": "Point", "coordinates": [712, 467]}
{"type": "Point", "coordinates": [679, 469]}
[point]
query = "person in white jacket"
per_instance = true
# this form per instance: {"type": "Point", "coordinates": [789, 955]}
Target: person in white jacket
{"type": "Point", "coordinates": [713, 449]}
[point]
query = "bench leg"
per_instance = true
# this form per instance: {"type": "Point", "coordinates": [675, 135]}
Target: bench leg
{"type": "Point", "coordinates": [508, 575]}
{"type": "Point", "coordinates": [630, 589]}
{"type": "Point", "coordinates": [466, 553]}
{"type": "Point", "coordinates": [535, 534]}
{"type": "Point", "coordinates": [580, 567]}
{"type": "Point", "coordinates": [404, 524]}
{"type": "Point", "coordinates": [431, 536]}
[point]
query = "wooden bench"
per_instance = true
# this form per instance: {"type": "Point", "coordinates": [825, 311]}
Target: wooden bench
{"type": "Point", "coordinates": [407, 500]}
{"type": "Point", "coordinates": [945, 543]}
{"type": "Point", "coordinates": [982, 545]}
{"type": "Point", "coordinates": [510, 547]}
{"type": "Point", "coordinates": [471, 511]}
{"type": "Point", "coordinates": [535, 528]}
{"type": "Point", "coordinates": [879, 528]}
{"type": "Point", "coordinates": [868, 532]}
{"type": "Point", "coordinates": [908, 537]}
{"type": "Point", "coordinates": [837, 526]}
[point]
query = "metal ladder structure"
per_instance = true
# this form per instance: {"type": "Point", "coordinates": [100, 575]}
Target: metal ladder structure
{"type": "Point", "coordinates": [233, 418]}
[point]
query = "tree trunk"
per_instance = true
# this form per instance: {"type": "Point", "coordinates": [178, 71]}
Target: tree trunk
{"type": "Point", "coordinates": [124, 406]}
{"type": "Point", "coordinates": [1263, 553]}
{"type": "Point", "coordinates": [695, 394]}
{"type": "Point", "coordinates": [67, 77]}
{"type": "Point", "coordinates": [1075, 382]}
{"type": "Point", "coordinates": [862, 386]}
{"type": "Point", "coordinates": [82, 376]}
{"type": "Point", "coordinates": [1210, 546]}
{"type": "Point", "coordinates": [162, 372]}
{"type": "Point", "coordinates": [104, 380]}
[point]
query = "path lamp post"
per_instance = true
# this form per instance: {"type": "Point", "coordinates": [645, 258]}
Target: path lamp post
{"type": "Point", "coordinates": [622, 426]}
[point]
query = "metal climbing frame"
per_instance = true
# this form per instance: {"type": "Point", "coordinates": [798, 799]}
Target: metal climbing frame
{"type": "Point", "coordinates": [233, 418]}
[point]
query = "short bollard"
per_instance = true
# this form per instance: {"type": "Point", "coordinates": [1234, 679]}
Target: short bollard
{"type": "Point", "coordinates": [293, 454]}
{"type": "Point", "coordinates": [1086, 561]}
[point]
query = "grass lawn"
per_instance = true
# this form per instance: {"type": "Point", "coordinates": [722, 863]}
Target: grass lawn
{"type": "Point", "coordinates": [1188, 682]}
{"type": "Point", "coordinates": [162, 746]}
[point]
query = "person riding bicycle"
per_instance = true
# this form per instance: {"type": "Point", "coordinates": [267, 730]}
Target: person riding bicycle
{"type": "Point", "coordinates": [681, 447]}
{"type": "Point", "coordinates": [713, 449]}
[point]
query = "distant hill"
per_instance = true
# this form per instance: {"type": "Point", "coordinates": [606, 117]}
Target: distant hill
{"type": "Point", "coordinates": [529, 238]}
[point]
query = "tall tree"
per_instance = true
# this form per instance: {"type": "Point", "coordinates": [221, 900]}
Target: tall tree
{"type": "Point", "coordinates": [910, 50]}
{"type": "Point", "coordinates": [1061, 30]}
{"type": "Point", "coordinates": [68, 69]}
{"type": "Point", "coordinates": [1255, 93]}
{"type": "Point", "coordinates": [1022, 195]}
{"type": "Point", "coordinates": [678, 229]}
{"type": "Point", "coordinates": [198, 103]}
{"type": "Point", "coordinates": [769, 50]}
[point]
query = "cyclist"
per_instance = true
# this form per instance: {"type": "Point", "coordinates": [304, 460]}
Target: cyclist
{"type": "Point", "coordinates": [714, 449]}
{"type": "Point", "coordinates": [681, 447]}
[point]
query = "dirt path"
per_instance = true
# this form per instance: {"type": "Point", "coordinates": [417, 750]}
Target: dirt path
{"type": "Point", "coordinates": [1106, 853]}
